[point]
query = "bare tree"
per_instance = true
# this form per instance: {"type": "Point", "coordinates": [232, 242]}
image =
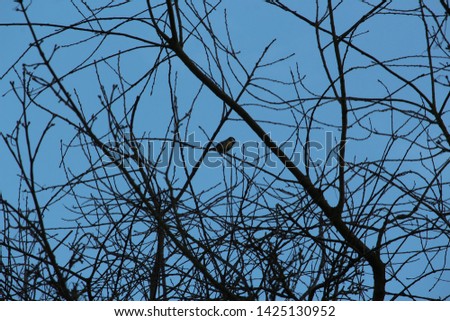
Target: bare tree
{"type": "Point", "coordinates": [333, 191]}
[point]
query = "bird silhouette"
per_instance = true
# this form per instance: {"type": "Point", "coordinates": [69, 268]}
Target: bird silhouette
{"type": "Point", "coordinates": [224, 146]}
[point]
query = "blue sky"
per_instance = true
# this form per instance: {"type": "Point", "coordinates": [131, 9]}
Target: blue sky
{"type": "Point", "coordinates": [253, 24]}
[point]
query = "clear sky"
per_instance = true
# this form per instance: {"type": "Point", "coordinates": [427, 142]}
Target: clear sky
{"type": "Point", "coordinates": [252, 24]}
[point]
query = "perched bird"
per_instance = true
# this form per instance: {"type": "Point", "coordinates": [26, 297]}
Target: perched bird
{"type": "Point", "coordinates": [225, 146]}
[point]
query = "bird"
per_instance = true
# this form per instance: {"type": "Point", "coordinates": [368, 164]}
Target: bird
{"type": "Point", "coordinates": [224, 146]}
